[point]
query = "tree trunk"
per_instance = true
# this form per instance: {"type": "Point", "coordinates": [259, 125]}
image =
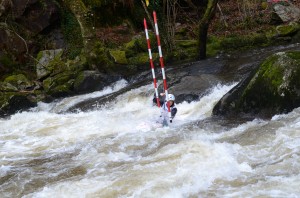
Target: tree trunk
{"type": "Point", "coordinates": [204, 25]}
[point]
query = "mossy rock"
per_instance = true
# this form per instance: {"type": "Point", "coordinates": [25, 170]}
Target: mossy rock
{"type": "Point", "coordinates": [7, 87]}
{"type": "Point", "coordinates": [139, 44]}
{"type": "Point", "coordinates": [19, 81]}
{"type": "Point", "coordinates": [78, 64]}
{"type": "Point", "coordinates": [99, 58]}
{"type": "Point", "coordinates": [60, 84]}
{"type": "Point", "coordinates": [88, 81]}
{"type": "Point", "coordinates": [49, 61]}
{"type": "Point", "coordinates": [11, 102]}
{"type": "Point", "coordinates": [233, 43]}
{"type": "Point", "coordinates": [119, 57]}
{"type": "Point", "coordinates": [273, 89]}
{"type": "Point", "coordinates": [143, 59]}
{"type": "Point", "coordinates": [288, 30]}
{"type": "Point", "coordinates": [185, 50]}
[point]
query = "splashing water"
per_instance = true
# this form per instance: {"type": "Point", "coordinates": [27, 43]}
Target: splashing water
{"type": "Point", "coordinates": [118, 150]}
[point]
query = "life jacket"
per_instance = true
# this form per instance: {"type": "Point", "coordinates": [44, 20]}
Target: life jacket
{"type": "Point", "coordinates": [164, 109]}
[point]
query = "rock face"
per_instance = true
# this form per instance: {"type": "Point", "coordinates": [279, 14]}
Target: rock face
{"type": "Point", "coordinates": [287, 12]}
{"type": "Point", "coordinates": [190, 88]}
{"type": "Point", "coordinates": [274, 88]}
{"type": "Point", "coordinates": [44, 68]}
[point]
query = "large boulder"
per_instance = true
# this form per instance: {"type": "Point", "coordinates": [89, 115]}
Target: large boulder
{"type": "Point", "coordinates": [11, 102]}
{"type": "Point", "coordinates": [287, 11]}
{"type": "Point", "coordinates": [190, 88]}
{"type": "Point", "coordinates": [89, 80]}
{"type": "Point", "coordinates": [58, 75]}
{"type": "Point", "coordinates": [47, 60]}
{"type": "Point", "coordinates": [274, 88]}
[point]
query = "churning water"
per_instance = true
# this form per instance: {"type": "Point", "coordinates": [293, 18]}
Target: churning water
{"type": "Point", "coordinates": [118, 150]}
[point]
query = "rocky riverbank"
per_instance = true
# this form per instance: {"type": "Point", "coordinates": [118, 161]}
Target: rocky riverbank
{"type": "Point", "coordinates": [44, 55]}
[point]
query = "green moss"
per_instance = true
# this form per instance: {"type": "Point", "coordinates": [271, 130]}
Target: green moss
{"type": "Point", "coordinates": [272, 73]}
{"type": "Point", "coordinates": [63, 89]}
{"type": "Point", "coordinates": [287, 30]}
{"type": "Point", "coordinates": [19, 81]}
{"type": "Point", "coordinates": [16, 79]}
{"type": "Point", "coordinates": [5, 87]}
{"type": "Point", "coordinates": [79, 79]}
{"type": "Point", "coordinates": [59, 83]}
{"type": "Point", "coordinates": [275, 85]}
{"type": "Point", "coordinates": [213, 46]}
{"type": "Point", "coordinates": [119, 56]}
{"type": "Point", "coordinates": [139, 44]}
{"type": "Point", "coordinates": [99, 57]}
{"type": "Point", "coordinates": [186, 43]}
{"type": "Point", "coordinates": [294, 55]}
{"type": "Point", "coordinates": [72, 33]}
{"type": "Point", "coordinates": [39, 55]}
{"type": "Point", "coordinates": [142, 58]}
{"type": "Point", "coordinates": [233, 43]}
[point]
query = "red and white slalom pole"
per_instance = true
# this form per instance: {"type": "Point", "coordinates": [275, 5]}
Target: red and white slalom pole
{"type": "Point", "coordinates": [161, 60]}
{"type": "Point", "coordinates": [151, 63]}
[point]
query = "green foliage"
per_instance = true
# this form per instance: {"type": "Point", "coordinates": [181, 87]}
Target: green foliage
{"type": "Point", "coordinates": [72, 33]}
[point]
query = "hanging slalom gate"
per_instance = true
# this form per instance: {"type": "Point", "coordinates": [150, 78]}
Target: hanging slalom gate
{"type": "Point", "coordinates": [161, 61]}
{"type": "Point", "coordinates": [151, 64]}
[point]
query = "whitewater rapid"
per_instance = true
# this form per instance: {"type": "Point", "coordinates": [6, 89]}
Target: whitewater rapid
{"type": "Point", "coordinates": [118, 150]}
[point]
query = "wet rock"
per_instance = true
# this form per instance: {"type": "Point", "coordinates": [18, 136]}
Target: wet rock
{"type": "Point", "coordinates": [190, 88]}
{"type": "Point", "coordinates": [11, 102]}
{"type": "Point", "coordinates": [273, 89]}
{"type": "Point", "coordinates": [88, 81]}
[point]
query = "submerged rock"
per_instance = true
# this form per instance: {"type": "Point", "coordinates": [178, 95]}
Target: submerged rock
{"type": "Point", "coordinates": [273, 89]}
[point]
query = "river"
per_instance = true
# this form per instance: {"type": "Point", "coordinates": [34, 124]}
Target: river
{"type": "Point", "coordinates": [118, 150]}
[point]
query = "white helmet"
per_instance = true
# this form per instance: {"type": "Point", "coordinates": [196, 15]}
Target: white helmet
{"type": "Point", "coordinates": [171, 97]}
